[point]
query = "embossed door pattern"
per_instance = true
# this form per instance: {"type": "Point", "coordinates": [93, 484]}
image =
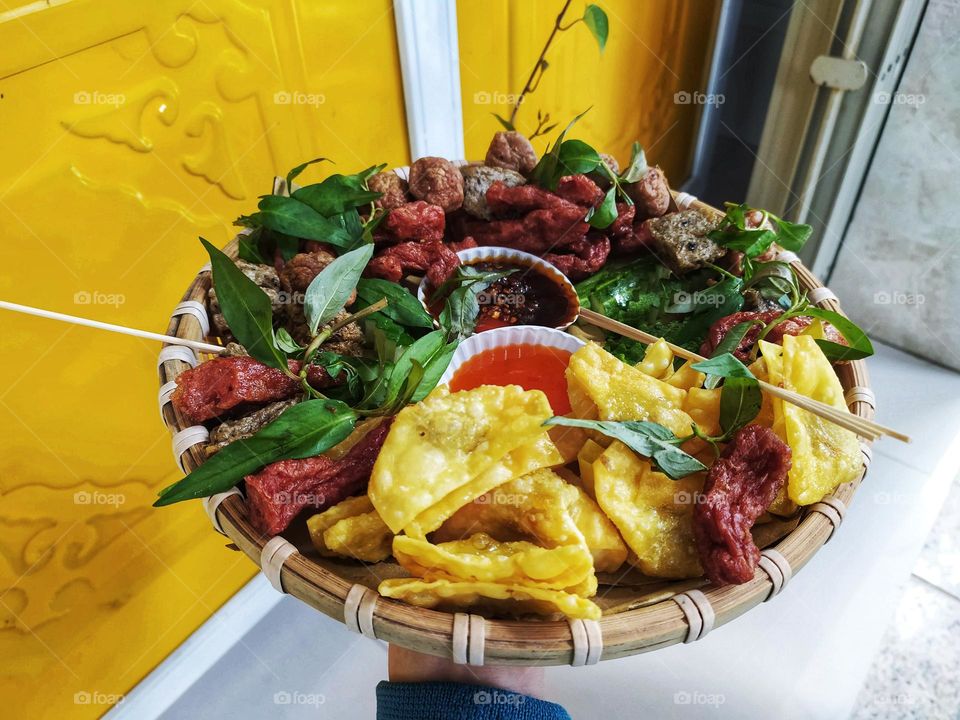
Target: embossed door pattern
{"type": "Point", "coordinates": [126, 130]}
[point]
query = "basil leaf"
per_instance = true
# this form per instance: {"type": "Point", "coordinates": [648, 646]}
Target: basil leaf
{"type": "Point", "coordinates": [792, 236]}
{"type": "Point", "coordinates": [292, 175]}
{"type": "Point", "coordinates": [291, 217]}
{"type": "Point", "coordinates": [388, 329]}
{"type": "Point", "coordinates": [649, 439]}
{"type": "Point", "coordinates": [731, 341]}
{"type": "Point", "coordinates": [424, 352]}
{"type": "Point", "coordinates": [335, 195]}
{"type": "Point", "coordinates": [725, 366]}
{"type": "Point", "coordinates": [286, 342]}
{"type": "Point", "coordinates": [402, 307]}
{"type": "Point", "coordinates": [638, 167]}
{"type": "Point", "coordinates": [329, 291]}
{"type": "Point", "coordinates": [507, 125]}
{"type": "Point", "coordinates": [577, 157]}
{"type": "Point", "coordinates": [859, 344]}
{"type": "Point", "coordinates": [596, 21]}
{"type": "Point", "coordinates": [547, 172]}
{"type": "Point", "coordinates": [248, 247]}
{"type": "Point", "coordinates": [740, 401]}
{"type": "Point", "coordinates": [246, 308]}
{"type": "Point", "coordinates": [606, 213]}
{"type": "Point", "coordinates": [303, 430]}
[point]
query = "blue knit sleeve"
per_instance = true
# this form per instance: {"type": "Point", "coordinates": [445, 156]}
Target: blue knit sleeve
{"type": "Point", "coordinates": [456, 701]}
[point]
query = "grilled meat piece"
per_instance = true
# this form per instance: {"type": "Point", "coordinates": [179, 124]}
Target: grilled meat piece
{"type": "Point", "coordinates": [433, 257]}
{"type": "Point", "coordinates": [680, 241]}
{"type": "Point", "coordinates": [651, 194]}
{"type": "Point", "coordinates": [279, 492]}
{"type": "Point", "coordinates": [242, 428]}
{"type": "Point", "coordinates": [225, 384]}
{"type": "Point", "coordinates": [477, 179]}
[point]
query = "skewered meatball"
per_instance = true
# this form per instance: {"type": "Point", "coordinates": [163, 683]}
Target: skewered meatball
{"type": "Point", "coordinates": [392, 186]}
{"type": "Point", "coordinates": [438, 181]}
{"type": "Point", "coordinates": [511, 151]}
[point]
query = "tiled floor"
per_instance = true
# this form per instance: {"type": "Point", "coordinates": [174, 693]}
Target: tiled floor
{"type": "Point", "coordinates": [916, 673]}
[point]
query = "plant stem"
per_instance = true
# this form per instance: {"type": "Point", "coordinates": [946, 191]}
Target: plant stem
{"type": "Point", "coordinates": [537, 66]}
{"type": "Point", "coordinates": [325, 334]}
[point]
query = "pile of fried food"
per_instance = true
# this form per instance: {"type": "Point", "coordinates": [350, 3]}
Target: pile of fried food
{"type": "Point", "coordinates": [324, 401]}
{"type": "Point", "coordinates": [476, 499]}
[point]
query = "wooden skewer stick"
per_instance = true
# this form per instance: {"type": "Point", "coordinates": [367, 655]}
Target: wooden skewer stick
{"type": "Point", "coordinates": [860, 426]}
{"type": "Point", "coordinates": [50, 315]}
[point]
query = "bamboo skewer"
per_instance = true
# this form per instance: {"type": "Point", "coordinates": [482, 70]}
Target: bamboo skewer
{"type": "Point", "coordinates": [861, 426]}
{"type": "Point", "coordinates": [121, 329]}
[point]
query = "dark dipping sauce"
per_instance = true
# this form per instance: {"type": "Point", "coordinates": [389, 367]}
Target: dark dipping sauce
{"type": "Point", "coordinates": [528, 296]}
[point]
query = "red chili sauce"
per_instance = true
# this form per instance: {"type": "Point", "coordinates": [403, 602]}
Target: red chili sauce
{"type": "Point", "coordinates": [532, 367]}
{"type": "Point", "coordinates": [528, 296]}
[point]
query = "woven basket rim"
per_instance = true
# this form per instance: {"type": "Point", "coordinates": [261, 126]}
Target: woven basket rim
{"type": "Point", "coordinates": [513, 642]}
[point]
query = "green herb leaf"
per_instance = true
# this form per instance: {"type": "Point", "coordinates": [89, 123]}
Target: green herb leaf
{"type": "Point", "coordinates": [596, 20]}
{"type": "Point", "coordinates": [329, 291]}
{"type": "Point", "coordinates": [740, 401]}
{"type": "Point", "coordinates": [725, 366]}
{"type": "Point", "coordinates": [731, 341]}
{"type": "Point", "coordinates": [336, 194]}
{"type": "Point", "coordinates": [603, 215]}
{"type": "Point", "coordinates": [859, 344]}
{"type": "Point", "coordinates": [637, 169]}
{"type": "Point", "coordinates": [577, 157]}
{"type": "Point", "coordinates": [649, 439]}
{"type": "Point", "coordinates": [432, 353]}
{"type": "Point", "coordinates": [304, 430]}
{"type": "Point", "coordinates": [246, 308]}
{"type": "Point", "coordinates": [403, 307]}
{"type": "Point", "coordinates": [507, 125]}
{"type": "Point", "coordinates": [292, 175]}
{"type": "Point", "coordinates": [547, 171]}
{"type": "Point", "coordinates": [248, 246]}
{"type": "Point", "coordinates": [286, 342]}
{"type": "Point", "coordinates": [792, 236]}
{"type": "Point", "coordinates": [291, 217]}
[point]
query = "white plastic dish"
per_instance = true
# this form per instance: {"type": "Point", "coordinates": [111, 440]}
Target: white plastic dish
{"type": "Point", "coordinates": [506, 336]}
{"type": "Point", "coordinates": [495, 254]}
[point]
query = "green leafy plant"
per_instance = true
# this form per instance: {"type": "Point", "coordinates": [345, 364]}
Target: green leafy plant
{"type": "Point", "coordinates": [595, 20]}
{"type": "Point", "coordinates": [646, 438]}
{"type": "Point", "coordinates": [303, 430]}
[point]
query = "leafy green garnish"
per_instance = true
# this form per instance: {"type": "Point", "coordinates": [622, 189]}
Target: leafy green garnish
{"type": "Point", "coordinates": [649, 439]}
{"type": "Point", "coordinates": [329, 291]}
{"type": "Point", "coordinates": [596, 20]}
{"type": "Point", "coordinates": [740, 397]}
{"type": "Point", "coordinates": [733, 233]}
{"type": "Point", "coordinates": [404, 308]}
{"type": "Point", "coordinates": [637, 169]}
{"type": "Point", "coordinates": [246, 308]}
{"type": "Point", "coordinates": [602, 216]}
{"type": "Point", "coordinates": [293, 174]}
{"type": "Point", "coordinates": [303, 430]}
{"type": "Point", "coordinates": [289, 216]}
{"type": "Point", "coordinates": [338, 193]}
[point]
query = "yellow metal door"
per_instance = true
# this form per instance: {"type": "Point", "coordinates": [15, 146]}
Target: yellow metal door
{"type": "Point", "coordinates": [127, 129]}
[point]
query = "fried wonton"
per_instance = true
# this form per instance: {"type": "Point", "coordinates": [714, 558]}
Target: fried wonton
{"type": "Point", "coordinates": [622, 392]}
{"type": "Point", "coordinates": [447, 440]}
{"type": "Point", "coordinates": [351, 529]}
{"type": "Point", "coordinates": [824, 455]}
{"type": "Point", "coordinates": [480, 558]}
{"type": "Point", "coordinates": [540, 453]}
{"type": "Point", "coordinates": [532, 507]}
{"type": "Point", "coordinates": [489, 598]}
{"type": "Point", "coordinates": [653, 513]}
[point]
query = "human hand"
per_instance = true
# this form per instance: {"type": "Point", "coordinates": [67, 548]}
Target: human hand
{"type": "Point", "coordinates": [411, 667]}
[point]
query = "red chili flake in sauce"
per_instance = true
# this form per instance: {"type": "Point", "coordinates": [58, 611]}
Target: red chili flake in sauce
{"type": "Point", "coordinates": [532, 367]}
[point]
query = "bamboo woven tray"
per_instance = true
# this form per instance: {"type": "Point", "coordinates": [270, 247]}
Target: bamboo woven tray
{"type": "Point", "coordinates": [639, 615]}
